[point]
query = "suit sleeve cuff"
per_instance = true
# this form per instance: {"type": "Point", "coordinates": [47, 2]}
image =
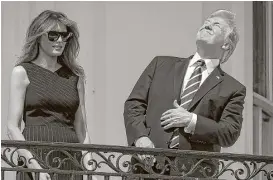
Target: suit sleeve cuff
{"type": "Point", "coordinates": [191, 127]}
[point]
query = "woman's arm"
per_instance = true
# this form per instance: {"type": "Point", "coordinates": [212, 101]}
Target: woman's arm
{"type": "Point", "coordinates": [18, 85]}
{"type": "Point", "coordinates": [80, 123]}
{"type": "Point", "coordinates": [80, 116]}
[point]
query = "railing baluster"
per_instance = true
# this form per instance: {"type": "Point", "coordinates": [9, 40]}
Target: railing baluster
{"type": "Point", "coordinates": [54, 176]}
{"type": "Point", "coordinates": [3, 175]}
{"type": "Point", "coordinates": [89, 177]}
{"type": "Point", "coordinates": [37, 176]}
{"type": "Point", "coordinates": [72, 177]}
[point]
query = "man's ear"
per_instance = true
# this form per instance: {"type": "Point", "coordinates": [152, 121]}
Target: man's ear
{"type": "Point", "coordinates": [225, 46]}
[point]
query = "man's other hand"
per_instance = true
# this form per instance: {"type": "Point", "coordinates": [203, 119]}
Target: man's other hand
{"type": "Point", "coordinates": [175, 118]}
{"type": "Point", "coordinates": [145, 142]}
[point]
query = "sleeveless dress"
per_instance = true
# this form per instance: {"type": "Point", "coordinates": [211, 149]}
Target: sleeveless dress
{"type": "Point", "coordinates": [51, 101]}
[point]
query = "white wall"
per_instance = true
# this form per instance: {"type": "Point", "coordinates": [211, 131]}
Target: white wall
{"type": "Point", "coordinates": [118, 40]}
{"type": "Point", "coordinates": [135, 33]}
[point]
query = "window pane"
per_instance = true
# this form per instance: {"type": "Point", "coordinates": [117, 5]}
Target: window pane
{"type": "Point", "coordinates": [259, 48]}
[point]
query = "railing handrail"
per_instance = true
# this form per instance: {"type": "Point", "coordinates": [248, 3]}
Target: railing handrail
{"type": "Point", "coordinates": [126, 149]}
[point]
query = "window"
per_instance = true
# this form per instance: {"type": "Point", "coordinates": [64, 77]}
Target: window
{"type": "Point", "coordinates": [262, 78]}
{"type": "Point", "coordinates": [263, 49]}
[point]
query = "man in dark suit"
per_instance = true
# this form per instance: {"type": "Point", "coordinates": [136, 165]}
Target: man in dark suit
{"type": "Point", "coordinates": [189, 103]}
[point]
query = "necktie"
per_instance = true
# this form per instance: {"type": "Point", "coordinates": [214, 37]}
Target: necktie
{"type": "Point", "coordinates": [187, 96]}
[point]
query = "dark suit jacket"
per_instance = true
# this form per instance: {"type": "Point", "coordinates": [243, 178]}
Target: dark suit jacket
{"type": "Point", "coordinates": [218, 104]}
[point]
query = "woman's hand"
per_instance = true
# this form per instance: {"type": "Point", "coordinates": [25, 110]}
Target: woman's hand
{"type": "Point", "coordinates": [88, 158]}
{"type": "Point", "coordinates": [44, 176]}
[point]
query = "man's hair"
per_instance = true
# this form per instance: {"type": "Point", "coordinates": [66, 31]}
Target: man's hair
{"type": "Point", "coordinates": [233, 36]}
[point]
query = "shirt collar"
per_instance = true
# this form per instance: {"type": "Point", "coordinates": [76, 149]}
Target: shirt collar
{"type": "Point", "coordinates": [211, 64]}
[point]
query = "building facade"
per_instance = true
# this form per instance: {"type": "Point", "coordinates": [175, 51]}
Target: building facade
{"type": "Point", "coordinates": [119, 39]}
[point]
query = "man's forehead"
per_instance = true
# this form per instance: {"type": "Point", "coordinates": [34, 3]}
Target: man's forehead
{"type": "Point", "coordinates": [217, 19]}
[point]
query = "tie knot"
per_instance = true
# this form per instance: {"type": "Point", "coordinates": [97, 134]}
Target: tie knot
{"type": "Point", "coordinates": [200, 63]}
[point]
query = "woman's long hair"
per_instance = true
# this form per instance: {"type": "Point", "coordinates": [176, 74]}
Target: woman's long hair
{"type": "Point", "coordinates": [43, 23]}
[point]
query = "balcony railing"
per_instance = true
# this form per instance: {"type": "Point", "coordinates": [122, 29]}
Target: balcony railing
{"type": "Point", "coordinates": [115, 161]}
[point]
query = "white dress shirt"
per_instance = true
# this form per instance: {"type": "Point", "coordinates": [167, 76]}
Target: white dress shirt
{"type": "Point", "coordinates": [210, 65]}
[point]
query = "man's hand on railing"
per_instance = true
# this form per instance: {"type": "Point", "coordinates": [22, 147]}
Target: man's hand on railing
{"type": "Point", "coordinates": [145, 142]}
{"type": "Point", "coordinates": [42, 176]}
{"type": "Point", "coordinates": [33, 164]}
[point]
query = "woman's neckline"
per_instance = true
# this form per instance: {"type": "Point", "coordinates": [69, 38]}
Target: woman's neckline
{"type": "Point", "coordinates": [46, 68]}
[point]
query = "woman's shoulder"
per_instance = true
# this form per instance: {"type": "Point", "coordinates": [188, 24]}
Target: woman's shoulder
{"type": "Point", "coordinates": [19, 74]}
{"type": "Point", "coordinates": [66, 71]}
{"type": "Point", "coordinates": [19, 70]}
{"type": "Point", "coordinates": [25, 65]}
{"type": "Point", "coordinates": [69, 70]}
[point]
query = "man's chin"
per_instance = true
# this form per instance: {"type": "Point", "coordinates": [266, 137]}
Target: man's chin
{"type": "Point", "coordinates": [201, 41]}
{"type": "Point", "coordinates": [207, 45]}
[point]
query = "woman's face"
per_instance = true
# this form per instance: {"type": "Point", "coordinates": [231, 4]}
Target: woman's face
{"type": "Point", "coordinates": [53, 42]}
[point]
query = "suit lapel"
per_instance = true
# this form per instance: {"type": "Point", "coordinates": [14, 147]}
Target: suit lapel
{"type": "Point", "coordinates": [212, 80]}
{"type": "Point", "coordinates": [179, 73]}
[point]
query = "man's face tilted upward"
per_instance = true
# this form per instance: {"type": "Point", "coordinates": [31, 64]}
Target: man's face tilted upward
{"type": "Point", "coordinates": [213, 32]}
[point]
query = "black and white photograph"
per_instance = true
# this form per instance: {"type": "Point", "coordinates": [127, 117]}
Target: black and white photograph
{"type": "Point", "coordinates": [136, 90]}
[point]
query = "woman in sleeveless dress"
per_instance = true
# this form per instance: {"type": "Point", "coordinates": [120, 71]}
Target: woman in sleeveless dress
{"type": "Point", "coordinates": [47, 93]}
